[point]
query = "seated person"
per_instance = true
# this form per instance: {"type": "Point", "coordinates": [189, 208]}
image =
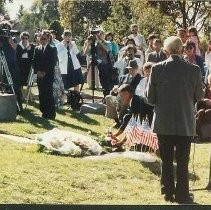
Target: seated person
{"type": "Point", "coordinates": [114, 108]}
{"type": "Point", "coordinates": [135, 108]}
{"type": "Point", "coordinates": [203, 108]}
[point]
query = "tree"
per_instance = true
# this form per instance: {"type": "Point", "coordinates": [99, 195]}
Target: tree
{"type": "Point", "coordinates": [40, 15]}
{"type": "Point", "coordinates": [20, 11]}
{"type": "Point", "coordinates": [185, 13]}
{"type": "Point", "coordinates": [75, 15]}
{"type": "Point", "coordinates": [2, 9]}
{"type": "Point", "coordinates": [55, 25]}
{"type": "Point", "coordinates": [150, 19]}
{"type": "Point", "coordinates": [120, 19]}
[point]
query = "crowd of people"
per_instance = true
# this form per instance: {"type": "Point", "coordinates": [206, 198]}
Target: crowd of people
{"type": "Point", "coordinates": [159, 81]}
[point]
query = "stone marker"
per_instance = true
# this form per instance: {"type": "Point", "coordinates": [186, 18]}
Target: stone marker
{"type": "Point", "coordinates": [8, 107]}
{"type": "Point", "coordinates": [93, 108]}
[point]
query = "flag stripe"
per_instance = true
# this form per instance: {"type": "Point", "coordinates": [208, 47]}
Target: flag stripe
{"type": "Point", "coordinates": [135, 134]}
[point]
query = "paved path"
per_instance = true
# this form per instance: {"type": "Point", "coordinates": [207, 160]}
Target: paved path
{"type": "Point", "coordinates": [18, 139]}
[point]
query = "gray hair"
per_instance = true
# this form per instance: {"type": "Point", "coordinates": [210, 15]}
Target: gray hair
{"type": "Point", "coordinates": [173, 45]}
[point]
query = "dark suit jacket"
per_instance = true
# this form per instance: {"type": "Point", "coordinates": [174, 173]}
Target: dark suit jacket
{"type": "Point", "coordinates": [124, 79]}
{"type": "Point", "coordinates": [152, 57]}
{"type": "Point", "coordinates": [46, 61]}
{"type": "Point", "coordinates": [174, 86]}
{"type": "Point", "coordinates": [136, 108]}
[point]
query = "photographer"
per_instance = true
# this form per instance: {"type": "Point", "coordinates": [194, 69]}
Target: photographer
{"type": "Point", "coordinates": [87, 52]}
{"type": "Point", "coordinates": [8, 49]}
{"type": "Point", "coordinates": [104, 61]}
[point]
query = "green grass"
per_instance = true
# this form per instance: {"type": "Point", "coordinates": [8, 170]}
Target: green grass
{"type": "Point", "coordinates": [27, 176]}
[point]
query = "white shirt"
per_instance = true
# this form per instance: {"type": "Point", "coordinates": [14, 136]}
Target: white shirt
{"type": "Point", "coordinates": [208, 60]}
{"type": "Point", "coordinates": [141, 87]}
{"type": "Point", "coordinates": [139, 40]}
{"type": "Point", "coordinates": [122, 63]}
{"type": "Point", "coordinates": [63, 56]}
{"type": "Point", "coordinates": [24, 55]}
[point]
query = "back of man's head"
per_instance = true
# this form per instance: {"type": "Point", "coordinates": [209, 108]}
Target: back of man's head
{"type": "Point", "coordinates": [173, 45]}
{"type": "Point", "coordinates": [126, 88]}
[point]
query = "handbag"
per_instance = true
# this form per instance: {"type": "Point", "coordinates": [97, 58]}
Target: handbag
{"type": "Point", "coordinates": [74, 99]}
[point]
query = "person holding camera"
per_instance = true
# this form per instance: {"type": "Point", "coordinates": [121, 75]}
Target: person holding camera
{"type": "Point", "coordinates": [68, 62]}
{"type": "Point", "coordinates": [105, 62]}
{"type": "Point", "coordinates": [8, 47]}
{"type": "Point", "coordinates": [87, 52]}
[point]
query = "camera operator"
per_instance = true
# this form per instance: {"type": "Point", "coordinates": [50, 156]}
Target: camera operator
{"type": "Point", "coordinates": [104, 61]}
{"type": "Point", "coordinates": [8, 48]}
{"type": "Point", "coordinates": [87, 52]}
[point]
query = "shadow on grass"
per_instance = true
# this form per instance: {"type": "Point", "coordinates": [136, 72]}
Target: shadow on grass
{"type": "Point", "coordinates": [73, 126]}
{"type": "Point", "coordinates": [31, 116]}
{"type": "Point", "coordinates": [153, 167]}
{"type": "Point", "coordinates": [36, 120]}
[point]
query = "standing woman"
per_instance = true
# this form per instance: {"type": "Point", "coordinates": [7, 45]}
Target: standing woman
{"type": "Point", "coordinates": [191, 56]}
{"type": "Point", "coordinates": [25, 53]}
{"type": "Point", "coordinates": [68, 62]}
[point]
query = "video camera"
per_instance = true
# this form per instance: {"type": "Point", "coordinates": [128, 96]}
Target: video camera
{"type": "Point", "coordinates": [8, 33]}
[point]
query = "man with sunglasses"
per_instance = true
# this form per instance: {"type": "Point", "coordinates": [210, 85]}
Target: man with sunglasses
{"type": "Point", "coordinates": [45, 59]}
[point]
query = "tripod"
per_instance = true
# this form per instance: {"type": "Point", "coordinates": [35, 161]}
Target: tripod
{"type": "Point", "coordinates": [4, 70]}
{"type": "Point", "coordinates": [30, 83]}
{"type": "Point", "coordinates": [93, 64]}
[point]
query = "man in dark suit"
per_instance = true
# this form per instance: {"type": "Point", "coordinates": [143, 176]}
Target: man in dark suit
{"type": "Point", "coordinates": [114, 108]}
{"type": "Point", "coordinates": [157, 55]}
{"type": "Point", "coordinates": [174, 86]}
{"type": "Point", "coordinates": [45, 59]}
{"type": "Point", "coordinates": [135, 106]}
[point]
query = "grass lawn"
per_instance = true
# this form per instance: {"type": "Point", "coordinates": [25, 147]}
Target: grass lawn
{"type": "Point", "coordinates": [27, 176]}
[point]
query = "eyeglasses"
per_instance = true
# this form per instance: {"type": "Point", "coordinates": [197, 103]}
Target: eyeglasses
{"type": "Point", "coordinates": [25, 38]}
{"type": "Point", "coordinates": [43, 38]}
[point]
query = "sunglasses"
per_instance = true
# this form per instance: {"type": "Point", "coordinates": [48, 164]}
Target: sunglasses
{"type": "Point", "coordinates": [43, 38]}
{"type": "Point", "coordinates": [25, 38]}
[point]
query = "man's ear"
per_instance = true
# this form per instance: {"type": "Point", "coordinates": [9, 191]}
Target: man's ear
{"type": "Point", "coordinates": [167, 53]}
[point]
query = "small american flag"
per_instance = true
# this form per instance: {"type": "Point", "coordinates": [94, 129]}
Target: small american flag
{"type": "Point", "coordinates": [135, 134]}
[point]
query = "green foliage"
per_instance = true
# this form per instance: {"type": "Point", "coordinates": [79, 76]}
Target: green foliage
{"type": "Point", "coordinates": [79, 16]}
{"type": "Point", "coordinates": [20, 11]}
{"type": "Point", "coordinates": [2, 8]}
{"type": "Point", "coordinates": [119, 21]}
{"type": "Point", "coordinates": [55, 25]}
{"type": "Point", "coordinates": [40, 16]}
{"type": "Point", "coordinates": [31, 177]}
{"type": "Point", "coordinates": [151, 20]}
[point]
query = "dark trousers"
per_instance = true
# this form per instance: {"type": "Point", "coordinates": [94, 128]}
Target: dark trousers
{"type": "Point", "coordinates": [46, 99]}
{"type": "Point", "coordinates": [148, 112]}
{"type": "Point", "coordinates": [105, 75]}
{"type": "Point", "coordinates": [178, 147]}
